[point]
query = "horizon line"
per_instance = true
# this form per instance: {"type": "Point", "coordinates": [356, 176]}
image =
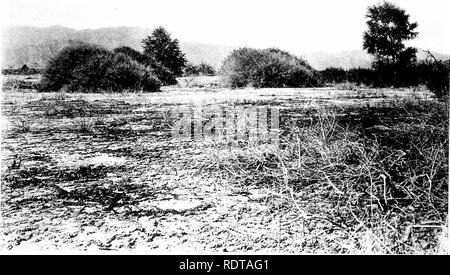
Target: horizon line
{"type": "Point", "coordinates": [209, 43]}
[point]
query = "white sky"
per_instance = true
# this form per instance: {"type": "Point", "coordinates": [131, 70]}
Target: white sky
{"type": "Point", "coordinates": [295, 25]}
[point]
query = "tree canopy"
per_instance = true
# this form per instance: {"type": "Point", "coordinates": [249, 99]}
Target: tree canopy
{"type": "Point", "coordinates": [388, 28]}
{"type": "Point", "coordinates": [165, 50]}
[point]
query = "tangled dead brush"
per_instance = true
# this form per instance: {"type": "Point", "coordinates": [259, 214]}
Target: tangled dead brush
{"type": "Point", "coordinates": [386, 186]}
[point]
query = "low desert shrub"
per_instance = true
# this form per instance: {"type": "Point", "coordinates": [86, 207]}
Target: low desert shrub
{"type": "Point", "coordinates": [22, 126]}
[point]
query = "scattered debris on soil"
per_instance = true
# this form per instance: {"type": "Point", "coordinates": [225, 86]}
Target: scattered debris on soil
{"type": "Point", "coordinates": [102, 172]}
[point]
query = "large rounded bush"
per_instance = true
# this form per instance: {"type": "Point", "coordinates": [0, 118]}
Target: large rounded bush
{"type": "Point", "coordinates": [165, 75]}
{"type": "Point", "coordinates": [269, 68]}
{"type": "Point", "coordinates": [88, 68]}
{"type": "Point", "coordinates": [59, 70]}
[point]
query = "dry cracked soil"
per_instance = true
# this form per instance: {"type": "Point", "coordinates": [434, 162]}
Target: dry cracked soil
{"type": "Point", "coordinates": [102, 172]}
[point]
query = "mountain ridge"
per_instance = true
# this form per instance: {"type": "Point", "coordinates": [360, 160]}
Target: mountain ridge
{"type": "Point", "coordinates": [34, 46]}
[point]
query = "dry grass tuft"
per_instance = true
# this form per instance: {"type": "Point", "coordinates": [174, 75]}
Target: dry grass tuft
{"type": "Point", "coordinates": [384, 186]}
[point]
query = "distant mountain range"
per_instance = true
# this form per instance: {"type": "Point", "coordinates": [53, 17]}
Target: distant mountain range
{"type": "Point", "coordinates": [34, 46]}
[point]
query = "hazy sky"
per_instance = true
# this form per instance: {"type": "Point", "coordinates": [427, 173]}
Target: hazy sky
{"type": "Point", "coordinates": [295, 25]}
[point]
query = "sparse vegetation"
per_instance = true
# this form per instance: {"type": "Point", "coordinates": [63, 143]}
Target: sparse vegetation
{"type": "Point", "coordinates": [373, 178]}
{"type": "Point", "coordinates": [381, 172]}
{"type": "Point", "coordinates": [354, 167]}
{"type": "Point", "coordinates": [22, 126]}
{"type": "Point", "coordinates": [82, 125]}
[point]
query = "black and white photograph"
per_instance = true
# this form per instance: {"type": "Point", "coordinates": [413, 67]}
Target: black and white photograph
{"type": "Point", "coordinates": [235, 127]}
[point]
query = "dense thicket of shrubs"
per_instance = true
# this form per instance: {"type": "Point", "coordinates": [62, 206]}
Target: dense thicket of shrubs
{"type": "Point", "coordinates": [197, 70]}
{"type": "Point", "coordinates": [360, 76]}
{"type": "Point", "coordinates": [268, 68]}
{"type": "Point", "coordinates": [332, 75]}
{"type": "Point", "coordinates": [166, 76]}
{"type": "Point", "coordinates": [135, 55]}
{"type": "Point", "coordinates": [433, 74]}
{"type": "Point", "coordinates": [395, 64]}
{"type": "Point", "coordinates": [90, 68]}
